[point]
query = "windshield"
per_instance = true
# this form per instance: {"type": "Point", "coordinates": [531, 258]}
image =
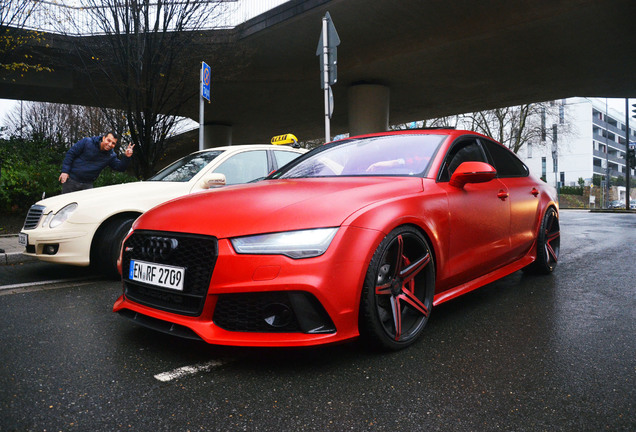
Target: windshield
{"type": "Point", "coordinates": [394, 155]}
{"type": "Point", "coordinates": [185, 168]}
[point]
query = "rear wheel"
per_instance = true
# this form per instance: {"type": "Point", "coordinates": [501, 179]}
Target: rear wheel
{"type": "Point", "coordinates": [397, 296]}
{"type": "Point", "coordinates": [548, 243]}
{"type": "Point", "coordinates": [107, 245]}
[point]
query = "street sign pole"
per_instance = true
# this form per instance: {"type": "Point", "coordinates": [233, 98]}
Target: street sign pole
{"type": "Point", "coordinates": [327, 53]}
{"type": "Point", "coordinates": [201, 108]}
{"type": "Point", "coordinates": [325, 76]}
{"type": "Point", "coordinates": [204, 85]}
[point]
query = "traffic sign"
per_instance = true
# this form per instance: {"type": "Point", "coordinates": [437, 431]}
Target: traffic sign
{"type": "Point", "coordinates": [206, 73]}
{"type": "Point", "coordinates": [333, 40]}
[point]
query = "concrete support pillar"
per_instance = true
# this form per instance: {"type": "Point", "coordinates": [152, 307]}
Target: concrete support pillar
{"type": "Point", "coordinates": [216, 135]}
{"type": "Point", "coordinates": [368, 108]}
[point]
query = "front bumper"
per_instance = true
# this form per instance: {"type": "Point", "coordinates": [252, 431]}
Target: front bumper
{"type": "Point", "coordinates": [324, 290]}
{"type": "Point", "coordinates": [60, 245]}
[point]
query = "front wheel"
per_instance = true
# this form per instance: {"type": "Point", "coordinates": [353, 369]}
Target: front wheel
{"type": "Point", "coordinates": [397, 296]}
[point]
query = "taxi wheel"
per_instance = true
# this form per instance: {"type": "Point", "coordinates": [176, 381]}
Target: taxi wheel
{"type": "Point", "coordinates": [397, 296]}
{"type": "Point", "coordinates": [107, 245]}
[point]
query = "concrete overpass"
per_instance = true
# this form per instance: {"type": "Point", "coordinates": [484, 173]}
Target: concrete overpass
{"type": "Point", "coordinates": [398, 61]}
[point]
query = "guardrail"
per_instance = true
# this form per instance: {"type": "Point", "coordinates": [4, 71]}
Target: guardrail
{"type": "Point", "coordinates": [67, 18]}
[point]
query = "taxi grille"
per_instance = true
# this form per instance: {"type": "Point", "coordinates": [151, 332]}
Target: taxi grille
{"type": "Point", "coordinates": [195, 253]}
{"type": "Point", "coordinates": [33, 217]}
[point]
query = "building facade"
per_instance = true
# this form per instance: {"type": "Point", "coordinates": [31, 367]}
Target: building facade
{"type": "Point", "coordinates": [590, 140]}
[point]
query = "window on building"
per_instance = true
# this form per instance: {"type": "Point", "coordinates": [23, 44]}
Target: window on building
{"type": "Point", "coordinates": [561, 114]}
{"type": "Point", "coordinates": [543, 167]}
{"type": "Point", "coordinates": [561, 178]}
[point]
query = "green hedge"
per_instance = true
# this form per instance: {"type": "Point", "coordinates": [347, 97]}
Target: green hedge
{"type": "Point", "coordinates": [571, 190]}
{"type": "Point", "coordinates": [31, 167]}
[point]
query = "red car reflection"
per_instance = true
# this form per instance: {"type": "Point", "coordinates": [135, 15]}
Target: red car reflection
{"type": "Point", "coordinates": [360, 237]}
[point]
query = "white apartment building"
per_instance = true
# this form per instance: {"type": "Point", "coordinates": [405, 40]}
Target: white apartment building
{"type": "Point", "coordinates": [590, 140]}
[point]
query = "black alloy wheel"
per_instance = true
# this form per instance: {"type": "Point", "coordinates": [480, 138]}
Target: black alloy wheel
{"type": "Point", "coordinates": [397, 296]}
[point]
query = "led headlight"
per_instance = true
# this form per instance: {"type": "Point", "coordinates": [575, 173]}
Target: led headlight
{"type": "Point", "coordinates": [294, 244]}
{"type": "Point", "coordinates": [63, 215]}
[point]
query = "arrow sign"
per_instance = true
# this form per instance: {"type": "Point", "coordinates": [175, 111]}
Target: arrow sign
{"type": "Point", "coordinates": [333, 40]}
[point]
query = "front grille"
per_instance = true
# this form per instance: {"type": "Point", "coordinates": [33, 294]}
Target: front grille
{"type": "Point", "coordinates": [33, 217]}
{"type": "Point", "coordinates": [196, 253]}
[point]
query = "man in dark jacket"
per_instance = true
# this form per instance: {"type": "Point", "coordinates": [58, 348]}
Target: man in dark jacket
{"type": "Point", "coordinates": [87, 158]}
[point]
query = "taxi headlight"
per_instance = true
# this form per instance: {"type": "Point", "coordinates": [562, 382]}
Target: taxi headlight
{"type": "Point", "coordinates": [62, 215]}
{"type": "Point", "coordinates": [294, 244]}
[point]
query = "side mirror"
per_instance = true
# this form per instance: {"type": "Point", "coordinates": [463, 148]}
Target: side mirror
{"type": "Point", "coordinates": [472, 172]}
{"type": "Point", "coordinates": [213, 180]}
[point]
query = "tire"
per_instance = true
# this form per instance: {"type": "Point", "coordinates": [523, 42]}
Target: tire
{"type": "Point", "coordinates": [398, 290]}
{"type": "Point", "coordinates": [107, 245]}
{"type": "Point", "coordinates": [548, 244]}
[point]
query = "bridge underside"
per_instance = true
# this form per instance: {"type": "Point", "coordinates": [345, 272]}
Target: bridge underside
{"type": "Point", "coordinates": [434, 58]}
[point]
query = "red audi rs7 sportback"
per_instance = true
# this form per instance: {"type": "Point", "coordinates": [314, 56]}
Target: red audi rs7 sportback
{"type": "Point", "coordinates": [359, 237]}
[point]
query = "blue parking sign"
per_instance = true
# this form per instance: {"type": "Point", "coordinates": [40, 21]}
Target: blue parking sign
{"type": "Point", "coordinates": [206, 72]}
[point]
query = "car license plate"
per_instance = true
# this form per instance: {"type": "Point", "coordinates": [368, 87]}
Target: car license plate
{"type": "Point", "coordinates": [157, 274]}
{"type": "Point", "coordinates": [23, 239]}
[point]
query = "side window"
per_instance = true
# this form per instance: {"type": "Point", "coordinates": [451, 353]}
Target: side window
{"type": "Point", "coordinates": [465, 151]}
{"type": "Point", "coordinates": [282, 157]}
{"type": "Point", "coordinates": [244, 167]}
{"type": "Point", "coordinates": [505, 162]}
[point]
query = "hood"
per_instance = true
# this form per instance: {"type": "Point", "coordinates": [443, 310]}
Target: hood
{"type": "Point", "coordinates": [274, 205]}
{"type": "Point", "coordinates": [97, 202]}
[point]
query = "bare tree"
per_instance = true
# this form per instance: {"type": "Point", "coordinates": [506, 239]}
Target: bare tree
{"type": "Point", "coordinates": [63, 124]}
{"type": "Point", "coordinates": [141, 54]}
{"type": "Point", "coordinates": [519, 125]}
{"type": "Point", "coordinates": [440, 122]}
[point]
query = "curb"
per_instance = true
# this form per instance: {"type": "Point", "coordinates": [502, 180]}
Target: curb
{"type": "Point", "coordinates": [14, 258]}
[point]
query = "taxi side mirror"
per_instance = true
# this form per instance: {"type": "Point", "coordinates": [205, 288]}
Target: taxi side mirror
{"type": "Point", "coordinates": [472, 172]}
{"type": "Point", "coordinates": [213, 180]}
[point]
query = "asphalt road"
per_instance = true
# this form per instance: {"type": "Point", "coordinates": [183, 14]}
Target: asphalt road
{"type": "Point", "coordinates": [553, 353]}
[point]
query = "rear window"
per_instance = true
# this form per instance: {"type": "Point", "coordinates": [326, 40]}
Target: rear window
{"type": "Point", "coordinates": [505, 162]}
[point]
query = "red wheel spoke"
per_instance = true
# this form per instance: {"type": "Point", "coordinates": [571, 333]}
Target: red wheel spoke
{"type": "Point", "coordinates": [397, 317]}
{"type": "Point", "coordinates": [552, 236]}
{"type": "Point", "coordinates": [399, 256]}
{"type": "Point", "coordinates": [551, 252]}
{"type": "Point", "coordinates": [411, 299]}
{"type": "Point", "coordinates": [412, 270]}
{"type": "Point", "coordinates": [383, 289]}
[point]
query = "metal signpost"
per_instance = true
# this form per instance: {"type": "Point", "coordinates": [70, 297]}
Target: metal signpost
{"type": "Point", "coordinates": [206, 72]}
{"type": "Point", "coordinates": [328, 54]}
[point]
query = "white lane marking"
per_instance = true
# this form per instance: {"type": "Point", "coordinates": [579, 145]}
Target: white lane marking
{"type": "Point", "coordinates": [188, 370]}
{"type": "Point", "coordinates": [47, 282]}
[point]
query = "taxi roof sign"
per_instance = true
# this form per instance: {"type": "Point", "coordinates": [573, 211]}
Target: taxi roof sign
{"type": "Point", "coordinates": [284, 139]}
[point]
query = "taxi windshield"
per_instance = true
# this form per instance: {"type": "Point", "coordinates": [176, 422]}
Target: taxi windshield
{"type": "Point", "coordinates": [186, 168]}
{"type": "Point", "coordinates": [387, 155]}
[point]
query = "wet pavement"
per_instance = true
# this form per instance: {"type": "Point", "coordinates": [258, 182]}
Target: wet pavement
{"type": "Point", "coordinates": [526, 353]}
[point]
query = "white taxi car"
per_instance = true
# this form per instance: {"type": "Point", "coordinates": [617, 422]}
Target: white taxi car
{"type": "Point", "coordinates": [87, 227]}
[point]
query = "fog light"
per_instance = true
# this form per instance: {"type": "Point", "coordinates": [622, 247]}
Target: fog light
{"type": "Point", "coordinates": [50, 249]}
{"type": "Point", "coordinates": [277, 315]}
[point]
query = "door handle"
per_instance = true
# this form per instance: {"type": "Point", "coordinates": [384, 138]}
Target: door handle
{"type": "Point", "coordinates": [534, 191]}
{"type": "Point", "coordinates": [502, 195]}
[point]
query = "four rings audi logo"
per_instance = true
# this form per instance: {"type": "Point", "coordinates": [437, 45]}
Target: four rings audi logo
{"type": "Point", "coordinates": [158, 247]}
